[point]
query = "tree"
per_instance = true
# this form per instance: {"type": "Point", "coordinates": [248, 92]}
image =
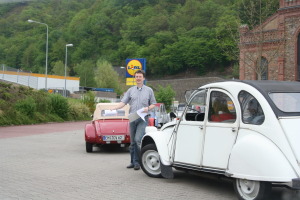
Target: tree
{"type": "Point", "coordinates": [114, 30]}
{"type": "Point", "coordinates": [255, 13]}
{"type": "Point", "coordinates": [106, 76]}
{"type": "Point", "coordinates": [59, 69]}
{"type": "Point", "coordinates": [165, 95]}
{"type": "Point", "coordinates": [86, 71]}
{"type": "Point", "coordinates": [251, 14]}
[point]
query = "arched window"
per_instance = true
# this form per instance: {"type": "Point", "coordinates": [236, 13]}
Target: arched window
{"type": "Point", "coordinates": [264, 68]}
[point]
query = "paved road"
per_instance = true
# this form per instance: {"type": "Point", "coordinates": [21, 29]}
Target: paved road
{"type": "Point", "coordinates": [49, 162]}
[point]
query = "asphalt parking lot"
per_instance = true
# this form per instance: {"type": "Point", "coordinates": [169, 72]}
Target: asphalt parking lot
{"type": "Point", "coordinates": [49, 162]}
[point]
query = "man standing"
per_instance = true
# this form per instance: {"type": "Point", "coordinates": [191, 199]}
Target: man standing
{"type": "Point", "coordinates": [138, 97]}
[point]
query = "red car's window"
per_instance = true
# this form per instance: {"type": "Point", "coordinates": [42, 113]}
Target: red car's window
{"type": "Point", "coordinates": [112, 113]}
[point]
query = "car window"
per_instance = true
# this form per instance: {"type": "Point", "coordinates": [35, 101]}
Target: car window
{"type": "Point", "coordinates": [252, 112]}
{"type": "Point", "coordinates": [112, 113]}
{"type": "Point", "coordinates": [286, 102]}
{"type": "Point", "coordinates": [221, 108]}
{"type": "Point", "coordinates": [180, 107]}
{"type": "Point", "coordinates": [196, 107]}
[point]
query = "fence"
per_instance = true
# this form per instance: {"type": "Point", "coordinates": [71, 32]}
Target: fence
{"type": "Point", "coordinates": [18, 76]}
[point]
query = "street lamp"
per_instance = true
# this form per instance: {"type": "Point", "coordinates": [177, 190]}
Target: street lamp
{"type": "Point", "coordinates": [65, 90]}
{"type": "Point", "coordinates": [122, 72]}
{"type": "Point", "coordinates": [46, 71]}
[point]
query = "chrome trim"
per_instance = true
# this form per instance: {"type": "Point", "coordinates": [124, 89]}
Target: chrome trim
{"type": "Point", "coordinates": [198, 168]}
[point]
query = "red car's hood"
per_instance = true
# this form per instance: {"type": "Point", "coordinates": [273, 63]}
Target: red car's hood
{"type": "Point", "coordinates": [112, 126]}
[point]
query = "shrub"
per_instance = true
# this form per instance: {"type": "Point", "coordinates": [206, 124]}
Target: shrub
{"type": "Point", "coordinates": [104, 101]}
{"type": "Point", "coordinates": [78, 110]}
{"type": "Point", "coordinates": [59, 105]}
{"type": "Point", "coordinates": [13, 117]}
{"type": "Point", "coordinates": [165, 95]}
{"type": "Point", "coordinates": [43, 101]}
{"type": "Point", "coordinates": [89, 100]}
{"type": "Point", "coordinates": [26, 106]}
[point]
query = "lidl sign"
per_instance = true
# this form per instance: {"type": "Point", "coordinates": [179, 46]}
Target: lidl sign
{"type": "Point", "coordinates": [132, 65]}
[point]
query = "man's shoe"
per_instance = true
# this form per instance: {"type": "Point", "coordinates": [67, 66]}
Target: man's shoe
{"type": "Point", "coordinates": [136, 167]}
{"type": "Point", "coordinates": [130, 166]}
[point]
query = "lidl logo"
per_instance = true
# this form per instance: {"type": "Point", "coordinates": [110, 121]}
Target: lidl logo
{"type": "Point", "coordinates": [132, 66]}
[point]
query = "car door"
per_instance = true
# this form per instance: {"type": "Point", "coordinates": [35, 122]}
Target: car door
{"type": "Point", "coordinates": [190, 134]}
{"type": "Point", "coordinates": [220, 130]}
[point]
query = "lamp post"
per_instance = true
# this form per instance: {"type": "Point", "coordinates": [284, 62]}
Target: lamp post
{"type": "Point", "coordinates": [65, 90]}
{"type": "Point", "coordinates": [46, 70]}
{"type": "Point", "coordinates": [122, 72]}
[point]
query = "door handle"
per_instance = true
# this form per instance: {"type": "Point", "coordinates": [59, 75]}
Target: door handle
{"type": "Point", "coordinates": [201, 127]}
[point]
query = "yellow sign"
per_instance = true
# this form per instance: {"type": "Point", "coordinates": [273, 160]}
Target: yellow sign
{"type": "Point", "coordinates": [133, 66]}
{"type": "Point", "coordinates": [130, 81]}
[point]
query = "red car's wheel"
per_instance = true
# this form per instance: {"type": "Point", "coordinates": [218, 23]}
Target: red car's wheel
{"type": "Point", "coordinates": [89, 147]}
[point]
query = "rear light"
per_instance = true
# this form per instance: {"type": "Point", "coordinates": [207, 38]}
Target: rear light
{"type": "Point", "coordinates": [100, 138]}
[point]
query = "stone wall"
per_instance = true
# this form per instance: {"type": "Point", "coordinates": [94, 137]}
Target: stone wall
{"type": "Point", "coordinates": [181, 85]}
{"type": "Point", "coordinates": [279, 44]}
{"type": "Point", "coordinates": [292, 26]}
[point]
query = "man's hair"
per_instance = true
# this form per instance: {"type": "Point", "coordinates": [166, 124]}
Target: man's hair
{"type": "Point", "coordinates": [140, 72]}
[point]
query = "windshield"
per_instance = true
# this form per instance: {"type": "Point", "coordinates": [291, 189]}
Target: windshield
{"type": "Point", "coordinates": [286, 102]}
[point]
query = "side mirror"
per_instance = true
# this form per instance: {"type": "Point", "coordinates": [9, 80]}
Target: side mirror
{"type": "Point", "coordinates": [172, 116]}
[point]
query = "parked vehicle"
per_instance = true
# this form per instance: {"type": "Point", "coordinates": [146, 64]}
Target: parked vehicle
{"type": "Point", "coordinates": [108, 127]}
{"type": "Point", "coordinates": [247, 131]}
{"type": "Point", "coordinates": [160, 115]}
{"type": "Point", "coordinates": [180, 109]}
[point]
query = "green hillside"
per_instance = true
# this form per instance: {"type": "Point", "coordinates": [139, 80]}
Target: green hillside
{"type": "Point", "coordinates": [173, 35]}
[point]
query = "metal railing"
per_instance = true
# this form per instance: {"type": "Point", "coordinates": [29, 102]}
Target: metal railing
{"type": "Point", "coordinates": [18, 76]}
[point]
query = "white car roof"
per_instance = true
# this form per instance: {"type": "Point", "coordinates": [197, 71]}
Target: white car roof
{"type": "Point", "coordinates": [264, 87]}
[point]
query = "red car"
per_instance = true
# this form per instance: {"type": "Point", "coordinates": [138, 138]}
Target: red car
{"type": "Point", "coordinates": [108, 127]}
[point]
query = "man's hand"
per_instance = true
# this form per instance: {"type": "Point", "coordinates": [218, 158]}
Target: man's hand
{"type": "Point", "coordinates": [146, 109]}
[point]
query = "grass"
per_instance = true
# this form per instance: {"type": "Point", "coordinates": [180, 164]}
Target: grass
{"type": "Point", "coordinates": [23, 105]}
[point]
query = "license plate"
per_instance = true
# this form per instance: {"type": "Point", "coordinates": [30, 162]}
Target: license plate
{"type": "Point", "coordinates": [113, 137]}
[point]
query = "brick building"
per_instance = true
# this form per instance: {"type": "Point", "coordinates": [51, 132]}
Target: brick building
{"type": "Point", "coordinates": [272, 51]}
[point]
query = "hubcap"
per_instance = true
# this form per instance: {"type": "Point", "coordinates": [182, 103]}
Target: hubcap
{"type": "Point", "coordinates": [248, 189]}
{"type": "Point", "coordinates": [151, 162]}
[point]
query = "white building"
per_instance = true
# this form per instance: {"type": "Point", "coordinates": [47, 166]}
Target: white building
{"type": "Point", "coordinates": [38, 81]}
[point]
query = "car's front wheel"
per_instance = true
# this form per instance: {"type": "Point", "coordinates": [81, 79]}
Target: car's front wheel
{"type": "Point", "coordinates": [150, 162]}
{"type": "Point", "coordinates": [252, 190]}
{"type": "Point", "coordinates": [89, 147]}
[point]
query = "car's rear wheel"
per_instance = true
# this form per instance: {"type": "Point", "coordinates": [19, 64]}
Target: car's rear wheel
{"type": "Point", "coordinates": [252, 190]}
{"type": "Point", "coordinates": [150, 162]}
{"type": "Point", "coordinates": [89, 147]}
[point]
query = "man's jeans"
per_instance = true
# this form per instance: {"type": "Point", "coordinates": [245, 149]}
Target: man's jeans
{"type": "Point", "coordinates": [137, 131]}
